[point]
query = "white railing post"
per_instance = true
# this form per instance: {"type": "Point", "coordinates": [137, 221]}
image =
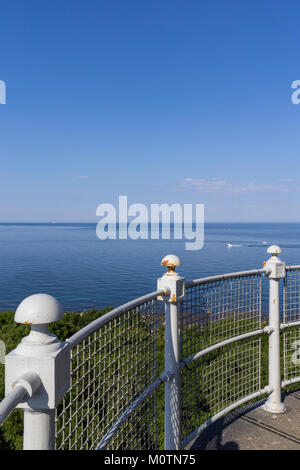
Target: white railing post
{"type": "Point", "coordinates": [42, 353]}
{"type": "Point", "coordinates": [274, 270]}
{"type": "Point", "coordinates": [174, 286]}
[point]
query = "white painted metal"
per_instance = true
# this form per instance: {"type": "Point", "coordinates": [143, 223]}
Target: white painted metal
{"type": "Point", "coordinates": [110, 316]}
{"type": "Point", "coordinates": [171, 261]}
{"type": "Point", "coordinates": [172, 386]}
{"type": "Point", "coordinates": [30, 381]}
{"type": "Point", "coordinates": [274, 270]}
{"type": "Point", "coordinates": [23, 389]}
{"type": "Point", "coordinates": [274, 250]}
{"type": "Point", "coordinates": [39, 309]}
{"type": "Point", "coordinates": [10, 402]}
{"type": "Point", "coordinates": [283, 326]}
{"type": "Point", "coordinates": [293, 268]}
{"type": "Point", "coordinates": [174, 284]}
{"type": "Point", "coordinates": [294, 380]}
{"type": "Point", "coordinates": [219, 277]}
{"type": "Point", "coordinates": [39, 430]}
{"type": "Point", "coordinates": [49, 358]}
{"type": "Point", "coordinates": [221, 344]}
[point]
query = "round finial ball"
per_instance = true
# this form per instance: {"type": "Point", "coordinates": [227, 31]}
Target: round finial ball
{"type": "Point", "coordinates": [39, 309]}
{"type": "Point", "coordinates": [274, 250]}
{"type": "Point", "coordinates": [171, 261]}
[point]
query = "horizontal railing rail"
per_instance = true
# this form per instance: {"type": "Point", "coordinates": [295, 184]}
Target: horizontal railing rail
{"type": "Point", "coordinates": [220, 277]}
{"type": "Point", "coordinates": [110, 316]}
{"type": "Point", "coordinates": [22, 390]}
{"type": "Point", "coordinates": [221, 344]}
{"type": "Point", "coordinates": [295, 267]}
{"type": "Point", "coordinates": [11, 401]}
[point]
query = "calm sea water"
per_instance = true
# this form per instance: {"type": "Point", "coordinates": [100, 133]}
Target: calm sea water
{"type": "Point", "coordinates": [71, 263]}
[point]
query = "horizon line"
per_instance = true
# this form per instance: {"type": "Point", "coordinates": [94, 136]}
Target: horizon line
{"type": "Point", "coordinates": [149, 223]}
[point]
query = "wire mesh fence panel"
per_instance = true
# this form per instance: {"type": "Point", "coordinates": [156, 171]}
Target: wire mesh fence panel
{"type": "Point", "coordinates": [291, 314]}
{"type": "Point", "coordinates": [291, 347]}
{"type": "Point", "coordinates": [212, 312]}
{"type": "Point", "coordinates": [139, 432]}
{"type": "Point", "coordinates": [109, 370]}
{"type": "Point", "coordinates": [218, 379]}
{"type": "Point", "coordinates": [291, 296]}
{"type": "Point", "coordinates": [218, 310]}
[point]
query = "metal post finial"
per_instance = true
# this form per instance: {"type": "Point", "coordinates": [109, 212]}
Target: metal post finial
{"type": "Point", "coordinates": [274, 268]}
{"type": "Point", "coordinates": [274, 250]}
{"type": "Point", "coordinates": [171, 262]}
{"type": "Point", "coordinates": [38, 311]}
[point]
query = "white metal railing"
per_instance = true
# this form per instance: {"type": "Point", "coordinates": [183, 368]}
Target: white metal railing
{"type": "Point", "coordinates": [23, 389]}
{"type": "Point", "coordinates": [221, 329]}
{"type": "Point", "coordinates": [102, 388]}
{"type": "Point", "coordinates": [113, 365]}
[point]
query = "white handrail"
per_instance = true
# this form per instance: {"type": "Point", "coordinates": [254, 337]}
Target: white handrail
{"type": "Point", "coordinates": [215, 346]}
{"type": "Point", "coordinates": [220, 277]}
{"type": "Point", "coordinates": [11, 401]}
{"type": "Point", "coordinates": [24, 388]}
{"type": "Point", "coordinates": [115, 313]}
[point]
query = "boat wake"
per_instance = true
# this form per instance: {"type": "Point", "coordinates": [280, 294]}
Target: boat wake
{"type": "Point", "coordinates": [232, 245]}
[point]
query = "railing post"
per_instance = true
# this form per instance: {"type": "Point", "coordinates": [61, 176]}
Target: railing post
{"type": "Point", "coordinates": [274, 270]}
{"type": "Point", "coordinates": [174, 285]}
{"type": "Point", "coordinates": [43, 353]}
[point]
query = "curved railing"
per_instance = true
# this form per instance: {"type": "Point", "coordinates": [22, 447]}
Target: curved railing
{"type": "Point", "coordinates": [291, 326]}
{"type": "Point", "coordinates": [221, 330]}
{"type": "Point", "coordinates": [111, 401]}
{"type": "Point", "coordinates": [206, 342]}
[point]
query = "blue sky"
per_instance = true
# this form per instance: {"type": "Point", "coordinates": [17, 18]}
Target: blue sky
{"type": "Point", "coordinates": [162, 101]}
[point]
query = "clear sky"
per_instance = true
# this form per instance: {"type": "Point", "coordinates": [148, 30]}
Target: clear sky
{"type": "Point", "coordinates": [160, 100]}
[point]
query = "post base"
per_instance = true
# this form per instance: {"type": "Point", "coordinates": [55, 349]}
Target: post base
{"type": "Point", "coordinates": [272, 407]}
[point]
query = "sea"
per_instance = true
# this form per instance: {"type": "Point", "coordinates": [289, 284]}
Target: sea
{"type": "Point", "coordinates": [69, 261]}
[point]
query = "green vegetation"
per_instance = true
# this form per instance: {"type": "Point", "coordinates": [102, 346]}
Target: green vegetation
{"type": "Point", "coordinates": [208, 384]}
